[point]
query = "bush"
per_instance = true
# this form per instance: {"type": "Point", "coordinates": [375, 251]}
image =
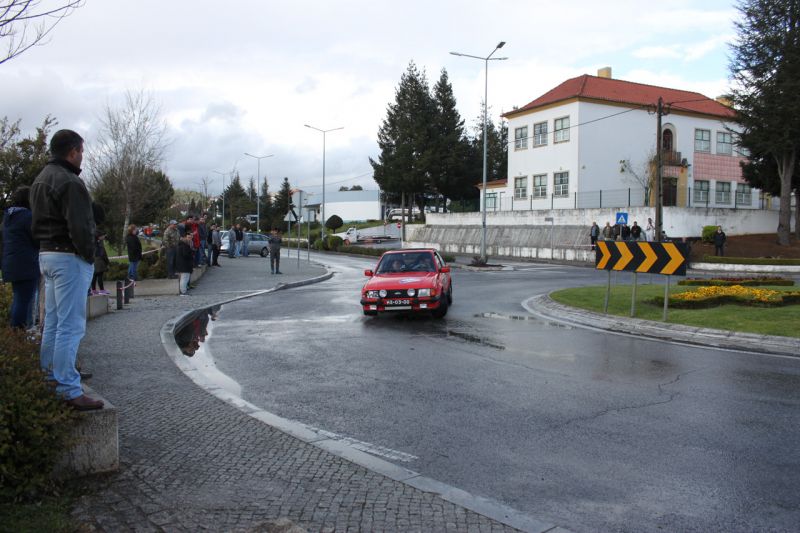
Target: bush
{"type": "Point", "coordinates": [334, 222]}
{"type": "Point", "coordinates": [334, 242]}
{"type": "Point", "coordinates": [704, 297]}
{"type": "Point", "coordinates": [319, 244]}
{"type": "Point", "coordinates": [5, 305]}
{"type": "Point", "coordinates": [751, 281]}
{"type": "Point", "coordinates": [708, 234]}
{"type": "Point", "coordinates": [34, 422]}
{"type": "Point", "coordinates": [750, 260]}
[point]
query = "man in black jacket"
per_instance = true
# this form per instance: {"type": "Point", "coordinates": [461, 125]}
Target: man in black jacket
{"type": "Point", "coordinates": [64, 225]}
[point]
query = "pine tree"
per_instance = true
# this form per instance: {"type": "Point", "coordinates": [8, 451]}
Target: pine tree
{"type": "Point", "coordinates": [405, 137]}
{"type": "Point", "coordinates": [282, 201]}
{"type": "Point", "coordinates": [766, 66]}
{"type": "Point", "coordinates": [266, 206]}
{"type": "Point", "coordinates": [236, 201]}
{"type": "Point", "coordinates": [448, 172]}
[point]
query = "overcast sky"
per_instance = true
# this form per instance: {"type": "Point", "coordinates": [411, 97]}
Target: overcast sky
{"type": "Point", "coordinates": [246, 75]}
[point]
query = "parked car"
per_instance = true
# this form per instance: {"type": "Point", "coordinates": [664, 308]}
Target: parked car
{"type": "Point", "coordinates": [257, 244]}
{"type": "Point", "coordinates": [413, 280]}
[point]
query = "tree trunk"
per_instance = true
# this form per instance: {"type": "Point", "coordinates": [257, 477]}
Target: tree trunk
{"type": "Point", "coordinates": [786, 165]}
{"type": "Point", "coordinates": [797, 213]}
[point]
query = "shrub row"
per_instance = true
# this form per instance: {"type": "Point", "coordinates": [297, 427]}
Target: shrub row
{"type": "Point", "coordinates": [34, 423]}
{"type": "Point", "coordinates": [750, 260]}
{"type": "Point", "coordinates": [705, 297]}
{"type": "Point", "coordinates": [752, 281]}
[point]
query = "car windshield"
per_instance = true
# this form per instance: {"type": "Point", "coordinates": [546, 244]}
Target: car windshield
{"type": "Point", "coordinates": [406, 262]}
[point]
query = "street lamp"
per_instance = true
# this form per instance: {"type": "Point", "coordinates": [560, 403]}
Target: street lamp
{"type": "Point", "coordinates": [323, 171]}
{"type": "Point", "coordinates": [485, 106]}
{"type": "Point", "coordinates": [258, 188]}
{"type": "Point", "coordinates": [223, 174]}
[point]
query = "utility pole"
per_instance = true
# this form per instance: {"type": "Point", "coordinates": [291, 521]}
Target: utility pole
{"type": "Point", "coordinates": [659, 183]}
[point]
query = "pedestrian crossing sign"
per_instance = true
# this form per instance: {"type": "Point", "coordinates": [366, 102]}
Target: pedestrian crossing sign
{"type": "Point", "coordinates": [622, 218]}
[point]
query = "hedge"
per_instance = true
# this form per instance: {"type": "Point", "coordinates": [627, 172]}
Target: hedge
{"type": "Point", "coordinates": [34, 423]}
{"type": "Point", "coordinates": [752, 281]}
{"type": "Point", "coordinates": [750, 260]}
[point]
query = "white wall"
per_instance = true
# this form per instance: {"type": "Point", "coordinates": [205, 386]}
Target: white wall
{"type": "Point", "coordinates": [678, 222]}
{"type": "Point", "coordinates": [352, 211]}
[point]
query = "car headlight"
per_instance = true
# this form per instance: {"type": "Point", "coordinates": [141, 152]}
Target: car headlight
{"type": "Point", "coordinates": [382, 293]}
{"type": "Point", "coordinates": [411, 292]}
{"type": "Point", "coordinates": [372, 294]}
{"type": "Point", "coordinates": [423, 292]}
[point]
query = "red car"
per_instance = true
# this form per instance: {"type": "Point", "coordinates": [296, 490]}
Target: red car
{"type": "Point", "coordinates": [408, 280]}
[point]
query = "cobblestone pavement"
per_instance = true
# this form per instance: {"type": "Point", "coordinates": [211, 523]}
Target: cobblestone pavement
{"type": "Point", "coordinates": [190, 462]}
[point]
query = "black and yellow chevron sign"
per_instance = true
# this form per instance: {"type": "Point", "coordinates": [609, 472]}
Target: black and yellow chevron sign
{"type": "Point", "coordinates": [667, 258]}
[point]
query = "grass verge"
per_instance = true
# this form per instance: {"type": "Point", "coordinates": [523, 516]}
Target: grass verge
{"type": "Point", "coordinates": [766, 321]}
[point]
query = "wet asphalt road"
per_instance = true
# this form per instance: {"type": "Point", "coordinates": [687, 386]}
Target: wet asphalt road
{"type": "Point", "coordinates": [586, 429]}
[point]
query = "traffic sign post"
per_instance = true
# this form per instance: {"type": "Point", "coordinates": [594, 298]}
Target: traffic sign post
{"type": "Point", "coordinates": [665, 258]}
{"type": "Point", "coordinates": [622, 218]}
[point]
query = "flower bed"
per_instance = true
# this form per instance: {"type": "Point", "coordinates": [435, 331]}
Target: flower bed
{"type": "Point", "coordinates": [748, 281]}
{"type": "Point", "coordinates": [711, 296]}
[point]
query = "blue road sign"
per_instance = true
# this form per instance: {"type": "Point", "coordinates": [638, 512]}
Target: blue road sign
{"type": "Point", "coordinates": [622, 218]}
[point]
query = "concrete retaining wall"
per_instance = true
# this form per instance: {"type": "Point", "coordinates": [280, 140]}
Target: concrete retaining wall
{"type": "Point", "coordinates": [95, 442]}
{"type": "Point", "coordinates": [678, 221]}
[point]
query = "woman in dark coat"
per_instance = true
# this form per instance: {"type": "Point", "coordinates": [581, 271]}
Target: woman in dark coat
{"type": "Point", "coordinates": [101, 263]}
{"type": "Point", "coordinates": [134, 251]}
{"type": "Point", "coordinates": [20, 260]}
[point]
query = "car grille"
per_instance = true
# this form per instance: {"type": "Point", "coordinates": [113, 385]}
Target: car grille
{"type": "Point", "coordinates": [397, 293]}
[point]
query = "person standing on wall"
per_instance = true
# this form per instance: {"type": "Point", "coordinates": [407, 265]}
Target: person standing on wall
{"type": "Point", "coordinates": [636, 231]}
{"type": "Point", "coordinates": [20, 257]}
{"type": "Point", "coordinates": [64, 225]}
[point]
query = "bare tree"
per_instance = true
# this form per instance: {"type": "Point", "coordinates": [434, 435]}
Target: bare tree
{"type": "Point", "coordinates": [27, 23]}
{"type": "Point", "coordinates": [132, 142]}
{"type": "Point", "coordinates": [642, 174]}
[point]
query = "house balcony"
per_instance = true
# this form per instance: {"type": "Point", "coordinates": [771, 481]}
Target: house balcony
{"type": "Point", "coordinates": [673, 159]}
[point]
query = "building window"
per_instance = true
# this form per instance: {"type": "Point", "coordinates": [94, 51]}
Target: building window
{"type": "Point", "coordinates": [561, 130]}
{"type": "Point", "coordinates": [540, 186]}
{"type": "Point", "coordinates": [741, 151]}
{"type": "Point", "coordinates": [561, 184]}
{"type": "Point", "coordinates": [540, 134]}
{"type": "Point", "coordinates": [744, 194]}
{"type": "Point", "coordinates": [723, 192]}
{"type": "Point", "coordinates": [702, 140]}
{"type": "Point", "coordinates": [666, 140]}
{"type": "Point", "coordinates": [521, 188]}
{"type": "Point", "coordinates": [700, 192]}
{"type": "Point", "coordinates": [724, 143]}
{"type": "Point", "coordinates": [521, 138]}
{"type": "Point", "coordinates": [491, 200]}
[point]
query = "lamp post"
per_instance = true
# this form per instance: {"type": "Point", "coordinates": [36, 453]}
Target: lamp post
{"type": "Point", "coordinates": [485, 106]}
{"type": "Point", "coordinates": [223, 174]}
{"type": "Point", "coordinates": [323, 171]}
{"type": "Point", "coordinates": [258, 188]}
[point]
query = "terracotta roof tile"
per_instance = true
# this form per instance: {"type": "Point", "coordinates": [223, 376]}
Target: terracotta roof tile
{"type": "Point", "coordinates": [626, 92]}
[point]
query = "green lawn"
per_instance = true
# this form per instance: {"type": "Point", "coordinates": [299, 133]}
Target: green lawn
{"type": "Point", "coordinates": [769, 321]}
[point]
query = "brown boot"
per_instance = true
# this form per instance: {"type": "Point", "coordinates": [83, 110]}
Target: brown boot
{"type": "Point", "coordinates": [84, 403]}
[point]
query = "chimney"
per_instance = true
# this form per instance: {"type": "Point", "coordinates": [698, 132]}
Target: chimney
{"type": "Point", "coordinates": [604, 72]}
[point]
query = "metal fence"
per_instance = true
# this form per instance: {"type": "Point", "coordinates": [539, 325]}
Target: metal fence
{"type": "Point", "coordinates": [631, 197]}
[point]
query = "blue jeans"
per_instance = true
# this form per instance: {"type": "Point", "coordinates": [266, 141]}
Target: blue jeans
{"type": "Point", "coordinates": [24, 292]}
{"type": "Point", "coordinates": [66, 282]}
{"type": "Point", "coordinates": [132, 267]}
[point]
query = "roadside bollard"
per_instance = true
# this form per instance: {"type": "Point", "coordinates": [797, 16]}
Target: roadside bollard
{"type": "Point", "coordinates": [119, 295]}
{"type": "Point", "coordinates": [128, 291]}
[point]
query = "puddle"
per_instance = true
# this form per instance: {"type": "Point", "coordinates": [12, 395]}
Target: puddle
{"type": "Point", "coordinates": [474, 339]}
{"type": "Point", "coordinates": [195, 330]}
{"type": "Point", "coordinates": [529, 318]}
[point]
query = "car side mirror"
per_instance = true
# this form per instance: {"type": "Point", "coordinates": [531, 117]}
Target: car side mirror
{"type": "Point", "coordinates": [444, 269]}
{"type": "Point", "coordinates": [369, 273]}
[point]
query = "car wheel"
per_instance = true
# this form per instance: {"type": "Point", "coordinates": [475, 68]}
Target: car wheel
{"type": "Point", "coordinates": [440, 311]}
{"type": "Point", "coordinates": [264, 252]}
{"type": "Point", "coordinates": [370, 313]}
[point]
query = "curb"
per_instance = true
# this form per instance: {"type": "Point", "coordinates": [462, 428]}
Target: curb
{"type": "Point", "coordinates": [483, 506]}
{"type": "Point", "coordinates": [545, 307]}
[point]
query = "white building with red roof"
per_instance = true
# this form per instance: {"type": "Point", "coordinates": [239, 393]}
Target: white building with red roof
{"type": "Point", "coordinates": [566, 149]}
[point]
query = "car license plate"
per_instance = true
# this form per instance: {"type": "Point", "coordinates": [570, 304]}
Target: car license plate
{"type": "Point", "coordinates": [398, 302]}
